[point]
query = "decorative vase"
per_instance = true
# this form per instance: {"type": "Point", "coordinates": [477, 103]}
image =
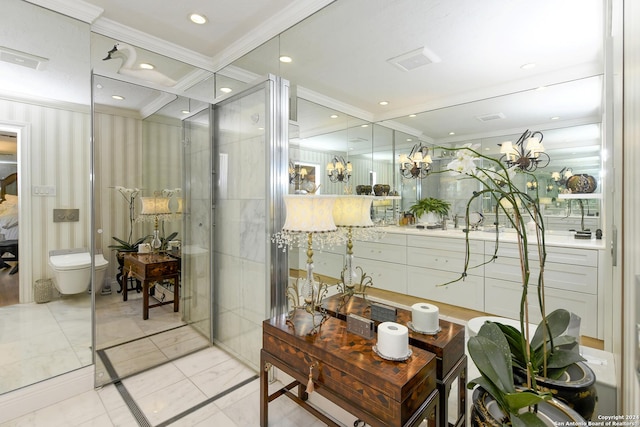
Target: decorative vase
{"type": "Point", "coordinates": [576, 388]}
{"type": "Point", "coordinates": [582, 183]}
{"type": "Point", "coordinates": [486, 412]}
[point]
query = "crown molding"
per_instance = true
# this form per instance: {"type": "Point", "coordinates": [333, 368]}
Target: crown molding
{"type": "Point", "coordinates": [332, 103]}
{"type": "Point", "coordinates": [80, 10]}
{"type": "Point", "coordinates": [113, 29]}
{"type": "Point", "coordinates": [296, 12]}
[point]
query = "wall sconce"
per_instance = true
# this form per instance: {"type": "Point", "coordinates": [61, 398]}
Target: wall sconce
{"type": "Point", "coordinates": [338, 170]}
{"type": "Point", "coordinates": [297, 174]}
{"type": "Point", "coordinates": [417, 164]}
{"type": "Point", "coordinates": [529, 156]}
{"type": "Point", "coordinates": [561, 177]}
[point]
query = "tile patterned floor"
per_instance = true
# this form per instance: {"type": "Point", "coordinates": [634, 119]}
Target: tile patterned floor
{"type": "Point", "coordinates": [206, 388]}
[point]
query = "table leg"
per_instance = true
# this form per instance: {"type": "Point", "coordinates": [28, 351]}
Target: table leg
{"type": "Point", "coordinates": [123, 285]}
{"type": "Point", "coordinates": [176, 294]}
{"type": "Point", "coordinates": [145, 300]}
{"type": "Point", "coordinates": [264, 391]}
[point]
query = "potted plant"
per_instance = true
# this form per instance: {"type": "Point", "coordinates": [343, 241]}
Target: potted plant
{"type": "Point", "coordinates": [540, 356]}
{"type": "Point", "coordinates": [497, 401]}
{"type": "Point", "coordinates": [438, 209]}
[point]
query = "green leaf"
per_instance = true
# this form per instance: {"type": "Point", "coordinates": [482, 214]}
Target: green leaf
{"type": "Point", "coordinates": [558, 321]}
{"type": "Point", "coordinates": [522, 399]}
{"type": "Point", "coordinates": [563, 358]}
{"type": "Point", "coordinates": [527, 419]}
{"type": "Point", "coordinates": [490, 353]}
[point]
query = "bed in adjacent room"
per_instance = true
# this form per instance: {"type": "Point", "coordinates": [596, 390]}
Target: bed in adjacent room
{"type": "Point", "coordinates": [9, 221]}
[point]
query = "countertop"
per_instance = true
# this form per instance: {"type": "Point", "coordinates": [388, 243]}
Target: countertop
{"type": "Point", "coordinates": [552, 238]}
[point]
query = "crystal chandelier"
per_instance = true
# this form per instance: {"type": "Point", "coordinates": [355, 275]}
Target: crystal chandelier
{"type": "Point", "coordinates": [529, 156]}
{"type": "Point", "coordinates": [417, 164]}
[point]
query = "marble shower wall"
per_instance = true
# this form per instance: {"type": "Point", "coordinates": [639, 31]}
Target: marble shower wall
{"type": "Point", "coordinates": [240, 242]}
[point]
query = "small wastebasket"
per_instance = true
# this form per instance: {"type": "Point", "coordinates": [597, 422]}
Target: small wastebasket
{"type": "Point", "coordinates": [42, 290]}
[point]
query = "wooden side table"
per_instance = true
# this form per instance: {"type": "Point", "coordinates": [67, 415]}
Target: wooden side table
{"type": "Point", "coordinates": [150, 268]}
{"type": "Point", "coordinates": [447, 345]}
{"type": "Point", "coordinates": [346, 371]}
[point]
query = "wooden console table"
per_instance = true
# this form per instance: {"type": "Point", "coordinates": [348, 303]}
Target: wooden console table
{"type": "Point", "coordinates": [447, 345]}
{"type": "Point", "coordinates": [347, 372]}
{"type": "Point", "coordinates": [150, 268]}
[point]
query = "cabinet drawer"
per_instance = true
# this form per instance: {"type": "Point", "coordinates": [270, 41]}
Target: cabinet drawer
{"type": "Point", "coordinates": [502, 298]}
{"type": "Point", "coordinates": [427, 283]}
{"type": "Point", "coordinates": [556, 276]}
{"type": "Point", "coordinates": [444, 260]}
{"type": "Point", "coordinates": [327, 264]}
{"type": "Point", "coordinates": [385, 275]}
{"type": "Point", "coordinates": [571, 256]}
{"type": "Point", "coordinates": [392, 239]}
{"type": "Point", "coordinates": [446, 243]}
{"type": "Point", "coordinates": [380, 252]}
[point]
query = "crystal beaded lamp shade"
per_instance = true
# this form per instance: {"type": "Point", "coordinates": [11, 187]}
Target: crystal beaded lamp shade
{"type": "Point", "coordinates": [154, 207]}
{"type": "Point", "coordinates": [352, 211]}
{"type": "Point", "coordinates": [309, 214]}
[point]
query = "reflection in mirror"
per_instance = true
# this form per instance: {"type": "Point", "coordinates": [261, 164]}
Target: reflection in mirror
{"type": "Point", "coordinates": [141, 149]}
{"type": "Point", "coordinates": [44, 110]}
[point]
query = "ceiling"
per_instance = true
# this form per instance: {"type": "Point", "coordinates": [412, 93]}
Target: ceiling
{"type": "Point", "coordinates": [341, 56]}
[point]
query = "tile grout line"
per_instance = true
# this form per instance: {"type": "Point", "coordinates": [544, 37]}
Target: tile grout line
{"type": "Point", "coordinates": [207, 401]}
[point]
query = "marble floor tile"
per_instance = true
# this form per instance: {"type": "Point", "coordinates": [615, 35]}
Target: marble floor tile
{"type": "Point", "coordinates": [201, 361]}
{"type": "Point", "coordinates": [161, 377]}
{"type": "Point", "coordinates": [221, 377]}
{"type": "Point", "coordinates": [208, 416]}
{"type": "Point", "coordinates": [165, 403]}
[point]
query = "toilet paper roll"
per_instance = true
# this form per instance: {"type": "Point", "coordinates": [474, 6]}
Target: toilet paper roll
{"type": "Point", "coordinates": [424, 317]}
{"type": "Point", "coordinates": [393, 340]}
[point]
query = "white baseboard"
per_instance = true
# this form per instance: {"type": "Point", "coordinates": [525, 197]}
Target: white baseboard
{"type": "Point", "coordinates": [45, 393]}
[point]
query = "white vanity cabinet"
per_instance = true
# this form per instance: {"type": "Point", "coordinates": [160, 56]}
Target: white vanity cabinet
{"type": "Point", "coordinates": [326, 261]}
{"type": "Point", "coordinates": [434, 261]}
{"type": "Point", "coordinates": [571, 282]}
{"type": "Point", "coordinates": [385, 260]}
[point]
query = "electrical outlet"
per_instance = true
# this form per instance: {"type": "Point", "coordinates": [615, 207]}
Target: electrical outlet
{"type": "Point", "coordinates": [44, 190]}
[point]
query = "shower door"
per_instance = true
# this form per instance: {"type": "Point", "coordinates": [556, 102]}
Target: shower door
{"type": "Point", "coordinates": [197, 230]}
{"type": "Point", "coordinates": [249, 174]}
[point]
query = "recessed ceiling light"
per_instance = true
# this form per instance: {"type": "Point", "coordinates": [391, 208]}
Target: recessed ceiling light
{"type": "Point", "coordinates": [226, 90]}
{"type": "Point", "coordinates": [541, 88]}
{"type": "Point", "coordinates": [555, 118]}
{"type": "Point", "coordinates": [118, 97]}
{"type": "Point", "coordinates": [99, 86]}
{"type": "Point", "coordinates": [528, 66]}
{"type": "Point", "coordinates": [409, 139]}
{"type": "Point", "coordinates": [146, 66]}
{"type": "Point", "coordinates": [334, 116]}
{"type": "Point", "coordinates": [196, 18]}
{"type": "Point", "coordinates": [412, 115]}
{"type": "Point", "coordinates": [185, 111]}
{"type": "Point", "coordinates": [383, 102]}
{"type": "Point", "coordinates": [286, 59]}
{"type": "Point", "coordinates": [364, 126]}
{"type": "Point", "coordinates": [452, 133]}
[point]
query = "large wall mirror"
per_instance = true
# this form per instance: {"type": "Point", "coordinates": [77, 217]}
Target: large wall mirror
{"type": "Point", "coordinates": [426, 65]}
{"type": "Point", "coordinates": [45, 110]}
{"type": "Point", "coordinates": [144, 126]}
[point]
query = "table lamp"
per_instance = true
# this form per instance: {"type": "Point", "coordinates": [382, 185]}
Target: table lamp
{"type": "Point", "coordinates": [307, 216]}
{"type": "Point", "coordinates": [155, 209]}
{"type": "Point", "coordinates": [353, 214]}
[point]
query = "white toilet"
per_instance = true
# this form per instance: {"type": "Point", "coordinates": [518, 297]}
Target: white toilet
{"type": "Point", "coordinates": [72, 270]}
